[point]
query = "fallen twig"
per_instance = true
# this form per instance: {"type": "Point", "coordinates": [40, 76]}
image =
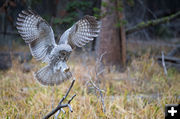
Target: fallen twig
{"type": "Point", "coordinates": [60, 105]}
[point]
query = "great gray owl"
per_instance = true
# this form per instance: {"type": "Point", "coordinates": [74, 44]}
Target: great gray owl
{"type": "Point", "coordinates": [38, 34]}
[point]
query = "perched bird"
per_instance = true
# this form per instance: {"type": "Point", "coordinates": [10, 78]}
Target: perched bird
{"type": "Point", "coordinates": [38, 34]}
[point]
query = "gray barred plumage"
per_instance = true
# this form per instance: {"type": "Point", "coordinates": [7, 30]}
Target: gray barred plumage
{"type": "Point", "coordinates": [38, 34]}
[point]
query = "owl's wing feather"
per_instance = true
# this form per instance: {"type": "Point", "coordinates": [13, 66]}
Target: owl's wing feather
{"type": "Point", "coordinates": [36, 32]}
{"type": "Point", "coordinates": [47, 76]}
{"type": "Point", "coordinates": [82, 32]}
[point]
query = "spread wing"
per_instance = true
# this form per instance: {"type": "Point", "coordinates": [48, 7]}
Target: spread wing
{"type": "Point", "coordinates": [82, 32]}
{"type": "Point", "coordinates": [36, 32]}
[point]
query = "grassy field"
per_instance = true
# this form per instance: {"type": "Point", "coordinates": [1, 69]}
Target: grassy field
{"type": "Point", "coordinates": [141, 92]}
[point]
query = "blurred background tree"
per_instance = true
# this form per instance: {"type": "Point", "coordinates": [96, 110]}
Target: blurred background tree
{"type": "Point", "coordinates": [112, 36]}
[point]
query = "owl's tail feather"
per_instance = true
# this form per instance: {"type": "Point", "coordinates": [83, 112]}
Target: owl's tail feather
{"type": "Point", "coordinates": [46, 76]}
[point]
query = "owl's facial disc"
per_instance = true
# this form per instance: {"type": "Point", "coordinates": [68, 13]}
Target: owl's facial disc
{"type": "Point", "coordinates": [64, 55]}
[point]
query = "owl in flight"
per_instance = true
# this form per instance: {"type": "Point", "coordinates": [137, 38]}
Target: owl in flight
{"type": "Point", "coordinates": [38, 34]}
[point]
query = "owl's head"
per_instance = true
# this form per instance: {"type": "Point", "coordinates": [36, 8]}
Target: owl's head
{"type": "Point", "coordinates": [64, 51]}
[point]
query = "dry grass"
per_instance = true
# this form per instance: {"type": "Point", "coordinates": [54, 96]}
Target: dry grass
{"type": "Point", "coordinates": [139, 93]}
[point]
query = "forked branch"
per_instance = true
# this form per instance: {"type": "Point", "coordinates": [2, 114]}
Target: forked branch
{"type": "Point", "coordinates": [98, 71]}
{"type": "Point", "coordinates": [60, 105]}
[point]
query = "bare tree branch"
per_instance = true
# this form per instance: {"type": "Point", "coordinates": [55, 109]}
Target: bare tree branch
{"type": "Point", "coordinates": [60, 105]}
{"type": "Point", "coordinates": [98, 64]}
{"type": "Point", "coordinates": [143, 25]}
{"type": "Point", "coordinates": [99, 90]}
{"type": "Point", "coordinates": [98, 71]}
{"type": "Point", "coordinates": [163, 64]}
{"type": "Point", "coordinates": [100, 59]}
{"type": "Point", "coordinates": [94, 85]}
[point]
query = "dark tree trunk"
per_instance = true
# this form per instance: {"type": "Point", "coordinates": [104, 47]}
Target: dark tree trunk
{"type": "Point", "coordinates": [112, 38]}
{"type": "Point", "coordinates": [122, 34]}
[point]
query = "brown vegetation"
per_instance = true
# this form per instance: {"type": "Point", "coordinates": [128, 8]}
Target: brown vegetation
{"type": "Point", "coordinates": [141, 92]}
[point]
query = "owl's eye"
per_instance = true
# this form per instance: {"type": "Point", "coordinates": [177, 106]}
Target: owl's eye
{"type": "Point", "coordinates": [63, 54]}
